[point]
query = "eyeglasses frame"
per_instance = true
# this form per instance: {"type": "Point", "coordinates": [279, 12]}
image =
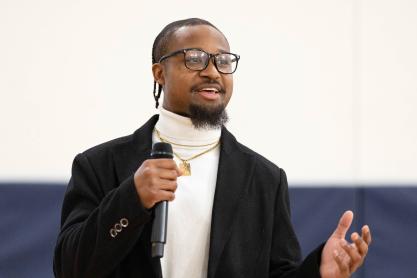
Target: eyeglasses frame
{"type": "Point", "coordinates": [211, 57]}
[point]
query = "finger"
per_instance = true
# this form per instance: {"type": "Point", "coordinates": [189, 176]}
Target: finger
{"type": "Point", "coordinates": [166, 195]}
{"type": "Point", "coordinates": [360, 244]}
{"type": "Point", "coordinates": [180, 171]}
{"type": "Point", "coordinates": [344, 224]}
{"type": "Point", "coordinates": [341, 261]}
{"type": "Point", "coordinates": [366, 234]}
{"type": "Point", "coordinates": [171, 165]}
{"type": "Point", "coordinates": [168, 185]}
{"type": "Point", "coordinates": [167, 164]}
{"type": "Point", "coordinates": [168, 174]}
{"type": "Point", "coordinates": [164, 163]}
{"type": "Point", "coordinates": [355, 259]}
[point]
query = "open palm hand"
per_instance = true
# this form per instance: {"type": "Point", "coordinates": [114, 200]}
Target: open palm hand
{"type": "Point", "coordinates": [340, 258]}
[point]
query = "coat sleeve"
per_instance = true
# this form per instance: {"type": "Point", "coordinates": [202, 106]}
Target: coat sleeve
{"type": "Point", "coordinates": [286, 255]}
{"type": "Point", "coordinates": [98, 226]}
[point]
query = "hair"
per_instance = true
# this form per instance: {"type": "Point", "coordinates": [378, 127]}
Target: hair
{"type": "Point", "coordinates": [161, 43]}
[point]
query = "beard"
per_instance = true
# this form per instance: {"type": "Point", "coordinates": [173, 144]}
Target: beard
{"type": "Point", "coordinates": [208, 118]}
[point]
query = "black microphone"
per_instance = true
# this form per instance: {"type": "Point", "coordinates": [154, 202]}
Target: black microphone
{"type": "Point", "coordinates": [159, 225]}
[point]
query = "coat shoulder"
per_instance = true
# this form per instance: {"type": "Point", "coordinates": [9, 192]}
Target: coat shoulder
{"type": "Point", "coordinates": [138, 141]}
{"type": "Point", "coordinates": [108, 146]}
{"type": "Point", "coordinates": [263, 164]}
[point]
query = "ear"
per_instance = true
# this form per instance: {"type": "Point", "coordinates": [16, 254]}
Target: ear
{"type": "Point", "coordinates": [158, 73]}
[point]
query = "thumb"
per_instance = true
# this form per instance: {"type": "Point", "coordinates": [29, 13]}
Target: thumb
{"type": "Point", "coordinates": [344, 224]}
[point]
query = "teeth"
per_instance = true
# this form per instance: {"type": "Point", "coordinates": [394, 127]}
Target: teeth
{"type": "Point", "coordinates": [214, 90]}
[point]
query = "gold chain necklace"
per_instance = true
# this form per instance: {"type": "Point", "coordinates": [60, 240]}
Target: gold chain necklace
{"type": "Point", "coordinates": [185, 165]}
{"type": "Point", "coordinates": [181, 145]}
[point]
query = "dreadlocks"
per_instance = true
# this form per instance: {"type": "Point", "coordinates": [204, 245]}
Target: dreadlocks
{"type": "Point", "coordinates": [160, 45]}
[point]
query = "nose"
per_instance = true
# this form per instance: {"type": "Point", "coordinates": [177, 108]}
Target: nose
{"type": "Point", "coordinates": [210, 71]}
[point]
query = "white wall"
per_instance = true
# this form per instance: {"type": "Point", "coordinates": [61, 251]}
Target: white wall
{"type": "Point", "coordinates": [326, 89]}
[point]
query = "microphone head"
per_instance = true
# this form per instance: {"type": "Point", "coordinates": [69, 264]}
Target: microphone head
{"type": "Point", "coordinates": [162, 150]}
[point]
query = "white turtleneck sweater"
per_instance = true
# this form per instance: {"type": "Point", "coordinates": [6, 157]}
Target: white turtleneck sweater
{"type": "Point", "coordinates": [189, 215]}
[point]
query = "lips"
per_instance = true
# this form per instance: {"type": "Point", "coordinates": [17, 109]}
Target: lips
{"type": "Point", "coordinates": [208, 88]}
{"type": "Point", "coordinates": [209, 93]}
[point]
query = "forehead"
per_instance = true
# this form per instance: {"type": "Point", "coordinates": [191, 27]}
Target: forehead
{"type": "Point", "coordinates": [198, 36]}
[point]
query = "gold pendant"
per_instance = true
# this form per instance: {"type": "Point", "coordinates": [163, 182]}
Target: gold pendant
{"type": "Point", "coordinates": [185, 167]}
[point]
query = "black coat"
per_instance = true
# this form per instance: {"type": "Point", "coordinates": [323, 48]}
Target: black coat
{"type": "Point", "coordinates": [251, 233]}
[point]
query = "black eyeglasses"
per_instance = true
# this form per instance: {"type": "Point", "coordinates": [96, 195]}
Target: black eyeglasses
{"type": "Point", "coordinates": [198, 59]}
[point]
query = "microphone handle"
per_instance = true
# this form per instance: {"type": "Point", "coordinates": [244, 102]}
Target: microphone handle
{"type": "Point", "coordinates": [159, 227]}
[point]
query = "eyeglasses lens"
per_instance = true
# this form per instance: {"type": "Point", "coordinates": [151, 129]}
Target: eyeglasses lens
{"type": "Point", "coordinates": [225, 62]}
{"type": "Point", "coordinates": [198, 60]}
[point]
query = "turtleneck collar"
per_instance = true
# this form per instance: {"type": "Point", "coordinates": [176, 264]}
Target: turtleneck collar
{"type": "Point", "coordinates": [179, 129]}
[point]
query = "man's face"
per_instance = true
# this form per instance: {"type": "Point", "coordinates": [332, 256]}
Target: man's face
{"type": "Point", "coordinates": [184, 88]}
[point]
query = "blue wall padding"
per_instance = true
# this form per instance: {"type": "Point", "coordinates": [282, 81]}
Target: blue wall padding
{"type": "Point", "coordinates": [392, 213]}
{"type": "Point", "coordinates": [30, 215]}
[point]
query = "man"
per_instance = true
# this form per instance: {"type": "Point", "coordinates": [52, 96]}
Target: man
{"type": "Point", "coordinates": [228, 210]}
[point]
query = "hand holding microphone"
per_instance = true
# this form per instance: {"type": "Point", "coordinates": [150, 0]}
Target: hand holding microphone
{"type": "Point", "coordinates": [156, 182]}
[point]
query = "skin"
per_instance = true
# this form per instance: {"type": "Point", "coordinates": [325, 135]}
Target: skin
{"type": "Point", "coordinates": [180, 84]}
{"type": "Point", "coordinates": [339, 258]}
{"type": "Point", "coordinates": [156, 179]}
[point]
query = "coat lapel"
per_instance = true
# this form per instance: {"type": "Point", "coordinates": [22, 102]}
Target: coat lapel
{"type": "Point", "coordinates": [130, 155]}
{"type": "Point", "coordinates": [235, 169]}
